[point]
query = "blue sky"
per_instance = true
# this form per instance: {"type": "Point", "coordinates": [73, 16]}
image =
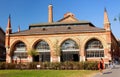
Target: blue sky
{"type": "Point", "coordinates": [26, 12]}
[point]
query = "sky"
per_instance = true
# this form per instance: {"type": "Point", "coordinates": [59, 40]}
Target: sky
{"type": "Point", "coordinates": [26, 12]}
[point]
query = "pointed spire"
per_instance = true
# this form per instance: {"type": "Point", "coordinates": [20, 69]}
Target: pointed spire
{"type": "Point", "coordinates": [18, 28]}
{"type": "Point", "coordinates": [9, 21]}
{"type": "Point", "coordinates": [106, 20]}
{"type": "Point", "coordinates": [9, 30]}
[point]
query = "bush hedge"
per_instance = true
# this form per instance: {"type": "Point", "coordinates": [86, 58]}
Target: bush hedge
{"type": "Point", "coordinates": [68, 65]}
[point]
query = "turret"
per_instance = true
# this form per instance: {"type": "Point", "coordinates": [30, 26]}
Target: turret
{"type": "Point", "coordinates": [106, 21]}
{"type": "Point", "coordinates": [8, 29]}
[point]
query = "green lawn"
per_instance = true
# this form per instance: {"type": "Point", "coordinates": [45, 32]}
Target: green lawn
{"type": "Point", "coordinates": [46, 73]}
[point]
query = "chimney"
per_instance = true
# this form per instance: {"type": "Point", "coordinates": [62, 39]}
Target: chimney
{"type": "Point", "coordinates": [50, 13]}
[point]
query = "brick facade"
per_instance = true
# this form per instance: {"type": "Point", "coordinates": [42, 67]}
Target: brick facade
{"type": "Point", "coordinates": [29, 38]}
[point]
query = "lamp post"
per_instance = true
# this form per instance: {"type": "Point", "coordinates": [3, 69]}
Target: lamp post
{"type": "Point", "coordinates": [113, 54]}
{"type": "Point", "coordinates": [20, 61]}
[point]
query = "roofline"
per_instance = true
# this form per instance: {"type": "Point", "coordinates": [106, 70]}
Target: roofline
{"type": "Point", "coordinates": [59, 23]}
{"type": "Point", "coordinates": [56, 33]}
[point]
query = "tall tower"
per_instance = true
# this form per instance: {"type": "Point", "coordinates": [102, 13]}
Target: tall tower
{"type": "Point", "coordinates": [7, 40]}
{"type": "Point", "coordinates": [106, 21]}
{"type": "Point", "coordinates": [107, 27]}
{"type": "Point", "coordinates": [8, 29]}
{"type": "Point", "coordinates": [50, 13]}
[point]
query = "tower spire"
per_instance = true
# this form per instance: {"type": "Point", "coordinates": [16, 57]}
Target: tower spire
{"type": "Point", "coordinates": [18, 28]}
{"type": "Point", "coordinates": [8, 29]}
{"type": "Point", "coordinates": [106, 20]}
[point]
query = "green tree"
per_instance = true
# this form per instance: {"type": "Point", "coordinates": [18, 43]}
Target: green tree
{"type": "Point", "coordinates": [32, 53]}
{"type": "Point", "coordinates": [117, 18]}
{"type": "Point", "coordinates": [57, 48]}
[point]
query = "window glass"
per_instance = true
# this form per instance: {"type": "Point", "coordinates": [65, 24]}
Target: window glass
{"type": "Point", "coordinates": [69, 44]}
{"type": "Point", "coordinates": [70, 51]}
{"type": "Point", "coordinates": [44, 52]}
{"type": "Point", "coordinates": [20, 50]}
{"type": "Point", "coordinates": [94, 48]}
{"type": "Point", "coordinates": [42, 45]}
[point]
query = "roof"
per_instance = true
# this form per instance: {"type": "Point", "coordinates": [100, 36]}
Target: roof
{"type": "Point", "coordinates": [59, 28]}
{"type": "Point", "coordinates": [58, 24]}
{"type": "Point", "coordinates": [67, 18]}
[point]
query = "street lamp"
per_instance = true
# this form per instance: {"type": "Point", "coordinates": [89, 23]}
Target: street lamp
{"type": "Point", "coordinates": [20, 61]}
{"type": "Point", "coordinates": [109, 47]}
{"type": "Point", "coordinates": [113, 53]}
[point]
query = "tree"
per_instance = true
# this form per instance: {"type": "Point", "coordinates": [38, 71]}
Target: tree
{"type": "Point", "coordinates": [117, 18]}
{"type": "Point", "coordinates": [57, 49]}
{"type": "Point", "coordinates": [32, 53]}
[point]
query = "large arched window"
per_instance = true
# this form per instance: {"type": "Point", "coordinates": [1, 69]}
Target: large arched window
{"type": "Point", "coordinates": [20, 50]}
{"type": "Point", "coordinates": [44, 51]}
{"type": "Point", "coordinates": [70, 51]}
{"type": "Point", "coordinates": [94, 48]}
{"type": "Point", "coordinates": [42, 45]}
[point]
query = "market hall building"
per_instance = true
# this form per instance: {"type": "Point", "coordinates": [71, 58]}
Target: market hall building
{"type": "Point", "coordinates": [68, 39]}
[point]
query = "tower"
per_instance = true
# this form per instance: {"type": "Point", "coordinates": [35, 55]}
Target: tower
{"type": "Point", "coordinates": [7, 40]}
{"type": "Point", "coordinates": [107, 27]}
{"type": "Point", "coordinates": [106, 21]}
{"type": "Point", "coordinates": [8, 29]}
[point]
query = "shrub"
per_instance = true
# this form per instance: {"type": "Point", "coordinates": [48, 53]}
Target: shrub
{"type": "Point", "coordinates": [55, 65]}
{"type": "Point", "coordinates": [2, 65]}
{"type": "Point", "coordinates": [88, 65]}
{"type": "Point", "coordinates": [10, 66]}
{"type": "Point", "coordinates": [32, 65]}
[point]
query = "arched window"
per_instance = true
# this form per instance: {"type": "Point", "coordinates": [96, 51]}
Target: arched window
{"type": "Point", "coordinates": [44, 51]}
{"type": "Point", "coordinates": [70, 51]}
{"type": "Point", "coordinates": [94, 48]}
{"type": "Point", "coordinates": [69, 44]}
{"type": "Point", "coordinates": [42, 45]}
{"type": "Point", "coordinates": [20, 50]}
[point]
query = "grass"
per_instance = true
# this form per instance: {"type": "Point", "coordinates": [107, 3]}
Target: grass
{"type": "Point", "coordinates": [46, 73]}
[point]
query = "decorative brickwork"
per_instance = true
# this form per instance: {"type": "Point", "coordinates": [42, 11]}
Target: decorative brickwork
{"type": "Point", "coordinates": [67, 28]}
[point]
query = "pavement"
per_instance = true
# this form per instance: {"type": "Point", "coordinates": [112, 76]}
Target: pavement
{"type": "Point", "coordinates": [114, 72]}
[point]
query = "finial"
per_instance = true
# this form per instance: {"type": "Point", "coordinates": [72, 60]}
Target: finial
{"type": "Point", "coordinates": [19, 28]}
{"type": "Point", "coordinates": [9, 16]}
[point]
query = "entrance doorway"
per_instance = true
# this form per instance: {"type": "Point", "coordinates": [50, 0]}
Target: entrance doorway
{"type": "Point", "coordinates": [70, 56]}
{"type": "Point", "coordinates": [36, 58]}
{"type": "Point", "coordinates": [75, 57]}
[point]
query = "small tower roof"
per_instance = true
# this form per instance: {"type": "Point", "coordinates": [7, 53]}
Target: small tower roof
{"type": "Point", "coordinates": [8, 29]}
{"type": "Point", "coordinates": [106, 19]}
{"type": "Point", "coordinates": [9, 22]}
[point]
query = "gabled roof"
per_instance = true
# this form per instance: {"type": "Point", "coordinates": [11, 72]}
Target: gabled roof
{"type": "Point", "coordinates": [68, 19]}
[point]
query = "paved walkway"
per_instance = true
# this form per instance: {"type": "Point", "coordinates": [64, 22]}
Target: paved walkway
{"type": "Point", "coordinates": [115, 72]}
